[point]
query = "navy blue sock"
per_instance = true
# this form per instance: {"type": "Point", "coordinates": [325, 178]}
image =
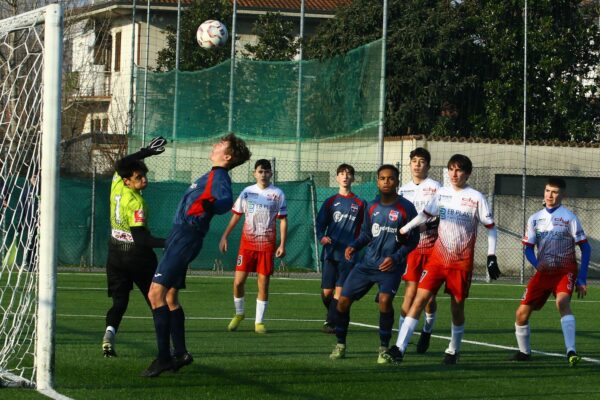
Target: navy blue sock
{"type": "Point", "coordinates": [332, 310]}
{"type": "Point", "coordinates": [342, 320]}
{"type": "Point", "coordinates": [386, 322]}
{"type": "Point", "coordinates": [326, 300]}
{"type": "Point", "coordinates": [178, 331]}
{"type": "Point", "coordinates": [162, 317]}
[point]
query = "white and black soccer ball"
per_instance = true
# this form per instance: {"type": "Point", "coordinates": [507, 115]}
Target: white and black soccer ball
{"type": "Point", "coordinates": [211, 34]}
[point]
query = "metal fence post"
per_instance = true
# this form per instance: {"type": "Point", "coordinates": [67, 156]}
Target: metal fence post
{"type": "Point", "coordinates": [313, 198]}
{"type": "Point", "coordinates": [93, 216]}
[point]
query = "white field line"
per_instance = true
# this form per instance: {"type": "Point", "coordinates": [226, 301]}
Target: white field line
{"type": "Point", "coordinates": [485, 344]}
{"type": "Point", "coordinates": [316, 293]}
{"type": "Point", "coordinates": [477, 343]}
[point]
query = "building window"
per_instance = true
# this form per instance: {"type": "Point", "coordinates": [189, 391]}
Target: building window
{"type": "Point", "coordinates": [118, 51]}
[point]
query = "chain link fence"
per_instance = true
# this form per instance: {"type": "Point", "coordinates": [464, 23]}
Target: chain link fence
{"type": "Point", "coordinates": [84, 224]}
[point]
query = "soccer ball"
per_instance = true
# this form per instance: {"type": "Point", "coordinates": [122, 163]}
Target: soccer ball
{"type": "Point", "coordinates": [211, 34]}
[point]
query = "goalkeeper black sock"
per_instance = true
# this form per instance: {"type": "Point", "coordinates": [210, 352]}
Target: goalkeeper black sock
{"type": "Point", "coordinates": [177, 322]}
{"type": "Point", "coordinates": [342, 321]}
{"type": "Point", "coordinates": [162, 317]}
{"type": "Point", "coordinates": [332, 310]}
{"type": "Point", "coordinates": [386, 322]}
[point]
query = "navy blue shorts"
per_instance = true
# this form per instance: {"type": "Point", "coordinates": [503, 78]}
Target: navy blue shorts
{"type": "Point", "coordinates": [181, 247]}
{"type": "Point", "coordinates": [334, 273]}
{"type": "Point", "coordinates": [362, 279]}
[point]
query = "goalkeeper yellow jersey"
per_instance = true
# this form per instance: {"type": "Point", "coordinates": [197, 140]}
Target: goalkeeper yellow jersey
{"type": "Point", "coordinates": [127, 209]}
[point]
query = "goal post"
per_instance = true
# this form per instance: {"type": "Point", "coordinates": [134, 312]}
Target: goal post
{"type": "Point", "coordinates": [31, 55]}
{"type": "Point", "coordinates": [51, 125]}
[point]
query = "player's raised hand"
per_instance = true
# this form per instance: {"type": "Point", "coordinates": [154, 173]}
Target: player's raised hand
{"type": "Point", "coordinates": [349, 252]}
{"type": "Point", "coordinates": [492, 267]}
{"type": "Point", "coordinates": [156, 145]}
{"type": "Point", "coordinates": [581, 291]}
{"type": "Point", "coordinates": [223, 244]}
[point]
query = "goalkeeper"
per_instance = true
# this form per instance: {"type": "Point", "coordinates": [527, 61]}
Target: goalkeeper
{"type": "Point", "coordinates": [460, 209]}
{"type": "Point", "coordinates": [130, 255]}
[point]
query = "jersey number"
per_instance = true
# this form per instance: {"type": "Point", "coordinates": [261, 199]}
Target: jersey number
{"type": "Point", "coordinates": [118, 209]}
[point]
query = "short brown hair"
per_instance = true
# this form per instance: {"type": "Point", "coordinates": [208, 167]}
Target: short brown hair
{"type": "Point", "coordinates": [462, 162]}
{"type": "Point", "coordinates": [238, 150]}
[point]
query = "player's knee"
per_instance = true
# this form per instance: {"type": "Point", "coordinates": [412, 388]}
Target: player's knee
{"type": "Point", "coordinates": [343, 304]}
{"type": "Point", "coordinates": [521, 316]}
{"type": "Point", "coordinates": [385, 303]}
{"type": "Point", "coordinates": [120, 304]}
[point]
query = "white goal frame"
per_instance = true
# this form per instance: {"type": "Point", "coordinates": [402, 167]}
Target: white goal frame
{"type": "Point", "coordinates": [52, 18]}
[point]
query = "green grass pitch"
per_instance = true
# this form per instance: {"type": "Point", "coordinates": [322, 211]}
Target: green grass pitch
{"type": "Point", "coordinates": [291, 361]}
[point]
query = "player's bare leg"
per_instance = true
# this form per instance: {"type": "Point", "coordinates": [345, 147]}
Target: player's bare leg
{"type": "Point", "coordinates": [262, 301]}
{"type": "Point", "coordinates": [567, 322]}
{"type": "Point", "coordinates": [239, 301]}
{"type": "Point", "coordinates": [457, 309]}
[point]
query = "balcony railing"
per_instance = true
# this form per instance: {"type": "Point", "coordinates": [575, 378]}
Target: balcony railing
{"type": "Point", "coordinates": [89, 84]}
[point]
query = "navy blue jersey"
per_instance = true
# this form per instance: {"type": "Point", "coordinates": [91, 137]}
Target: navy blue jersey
{"type": "Point", "coordinates": [211, 191]}
{"type": "Point", "coordinates": [340, 218]}
{"type": "Point", "coordinates": [378, 233]}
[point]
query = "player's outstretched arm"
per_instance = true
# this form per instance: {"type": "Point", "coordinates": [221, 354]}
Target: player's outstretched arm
{"type": "Point", "coordinates": [283, 223]}
{"type": "Point", "coordinates": [420, 219]}
{"type": "Point", "coordinates": [232, 223]}
{"type": "Point", "coordinates": [142, 237]}
{"type": "Point", "coordinates": [156, 146]}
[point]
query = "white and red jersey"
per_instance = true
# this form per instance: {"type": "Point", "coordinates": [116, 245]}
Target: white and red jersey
{"type": "Point", "coordinates": [420, 194]}
{"type": "Point", "coordinates": [261, 208]}
{"type": "Point", "coordinates": [555, 235]}
{"type": "Point", "coordinates": [460, 211]}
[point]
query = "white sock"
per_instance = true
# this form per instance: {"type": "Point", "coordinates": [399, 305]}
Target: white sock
{"type": "Point", "coordinates": [568, 327]}
{"type": "Point", "coordinates": [111, 330]}
{"type": "Point", "coordinates": [239, 303]}
{"type": "Point", "coordinates": [400, 322]}
{"type": "Point", "coordinates": [456, 340]}
{"type": "Point", "coordinates": [522, 333]}
{"type": "Point", "coordinates": [406, 331]}
{"type": "Point", "coordinates": [261, 307]}
{"type": "Point", "coordinates": [429, 321]}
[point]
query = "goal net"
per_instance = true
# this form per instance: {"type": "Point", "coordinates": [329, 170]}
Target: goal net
{"type": "Point", "coordinates": [30, 68]}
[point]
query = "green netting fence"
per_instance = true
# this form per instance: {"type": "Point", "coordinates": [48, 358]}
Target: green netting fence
{"type": "Point", "coordinates": [338, 97]}
{"type": "Point", "coordinates": [84, 227]}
